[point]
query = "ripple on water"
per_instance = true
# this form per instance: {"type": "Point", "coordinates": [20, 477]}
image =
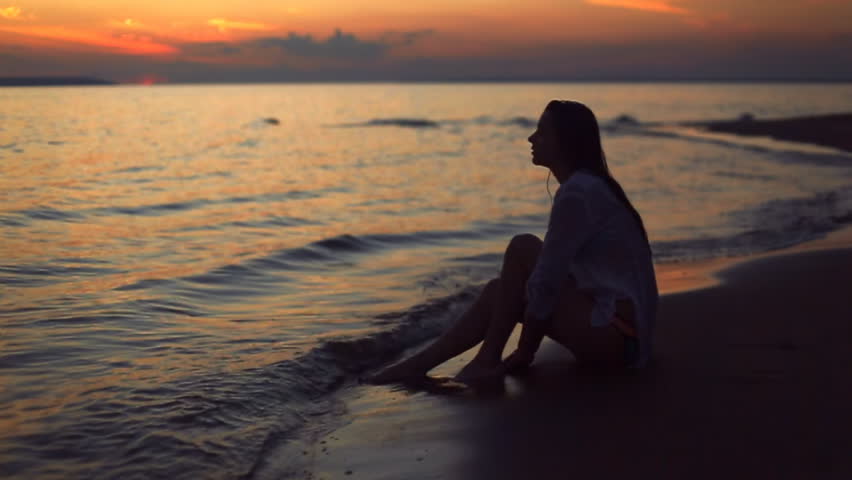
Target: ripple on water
{"type": "Point", "coordinates": [49, 213]}
{"type": "Point", "coordinates": [36, 275]}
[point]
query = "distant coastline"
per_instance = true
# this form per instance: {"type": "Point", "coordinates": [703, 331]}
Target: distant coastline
{"type": "Point", "coordinates": [52, 81]}
{"type": "Point", "coordinates": [833, 130]}
{"type": "Point", "coordinates": [487, 80]}
{"type": "Point", "coordinates": [82, 81]}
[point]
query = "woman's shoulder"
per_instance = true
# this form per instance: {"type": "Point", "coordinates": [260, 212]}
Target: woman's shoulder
{"type": "Point", "coordinates": [583, 181]}
{"type": "Point", "coordinates": [594, 191]}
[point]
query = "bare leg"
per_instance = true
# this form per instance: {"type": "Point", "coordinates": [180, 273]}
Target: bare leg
{"type": "Point", "coordinates": [508, 310]}
{"type": "Point", "coordinates": [468, 330]}
{"type": "Point", "coordinates": [492, 318]}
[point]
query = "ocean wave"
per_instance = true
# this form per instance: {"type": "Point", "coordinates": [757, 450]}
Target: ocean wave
{"type": "Point", "coordinates": [785, 151]}
{"type": "Point", "coordinates": [270, 273]}
{"type": "Point", "coordinates": [626, 124]}
{"type": "Point", "coordinates": [622, 124]}
{"type": "Point", "coordinates": [264, 122]}
{"type": "Point", "coordinates": [396, 122]}
{"type": "Point", "coordinates": [770, 226]}
{"type": "Point", "coordinates": [520, 121]}
{"type": "Point", "coordinates": [23, 218]}
{"type": "Point", "coordinates": [37, 275]}
{"type": "Point", "coordinates": [269, 197]}
{"type": "Point", "coordinates": [333, 252]}
{"type": "Point", "coordinates": [218, 424]}
{"type": "Point", "coordinates": [744, 176]}
{"type": "Point", "coordinates": [154, 209]}
{"type": "Point", "coordinates": [274, 221]}
{"type": "Point", "coordinates": [821, 212]}
{"type": "Point", "coordinates": [50, 213]}
{"type": "Point", "coordinates": [525, 122]}
{"type": "Point", "coordinates": [139, 168]}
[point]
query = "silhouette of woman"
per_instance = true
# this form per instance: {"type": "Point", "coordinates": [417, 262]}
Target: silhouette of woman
{"type": "Point", "coordinates": [590, 285]}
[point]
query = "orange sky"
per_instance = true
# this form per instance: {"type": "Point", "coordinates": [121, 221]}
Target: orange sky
{"type": "Point", "coordinates": [383, 30]}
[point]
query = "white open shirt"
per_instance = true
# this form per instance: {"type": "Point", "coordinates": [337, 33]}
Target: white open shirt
{"type": "Point", "coordinates": [593, 236]}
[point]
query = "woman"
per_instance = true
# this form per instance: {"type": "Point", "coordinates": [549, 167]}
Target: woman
{"type": "Point", "coordinates": [589, 285]}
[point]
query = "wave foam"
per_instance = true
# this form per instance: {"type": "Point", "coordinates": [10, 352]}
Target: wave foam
{"type": "Point", "coordinates": [773, 225]}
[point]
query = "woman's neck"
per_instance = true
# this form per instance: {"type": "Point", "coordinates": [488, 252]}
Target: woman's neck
{"type": "Point", "coordinates": [562, 173]}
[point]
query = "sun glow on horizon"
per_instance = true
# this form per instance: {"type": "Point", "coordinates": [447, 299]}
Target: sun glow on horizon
{"type": "Point", "coordinates": [132, 45]}
{"type": "Point", "coordinates": [224, 25]}
{"type": "Point", "coordinates": [150, 79]}
{"type": "Point", "coordinates": [12, 12]}
{"type": "Point", "coordinates": [378, 35]}
{"type": "Point", "coordinates": [646, 5]}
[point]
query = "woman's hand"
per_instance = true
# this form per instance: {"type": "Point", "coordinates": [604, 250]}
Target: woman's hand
{"type": "Point", "coordinates": [518, 360]}
{"type": "Point", "coordinates": [523, 356]}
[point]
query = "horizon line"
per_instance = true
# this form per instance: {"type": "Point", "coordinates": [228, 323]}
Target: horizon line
{"type": "Point", "coordinates": [66, 80]}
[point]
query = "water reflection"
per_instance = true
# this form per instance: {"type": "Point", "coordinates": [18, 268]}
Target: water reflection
{"type": "Point", "coordinates": [164, 254]}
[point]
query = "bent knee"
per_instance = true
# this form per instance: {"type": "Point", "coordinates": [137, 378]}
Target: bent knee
{"type": "Point", "coordinates": [524, 243]}
{"type": "Point", "coordinates": [492, 287]}
{"type": "Point", "coordinates": [522, 252]}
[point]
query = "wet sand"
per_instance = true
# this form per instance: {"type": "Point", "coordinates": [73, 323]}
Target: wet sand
{"type": "Point", "coordinates": [833, 131]}
{"type": "Point", "coordinates": [752, 379]}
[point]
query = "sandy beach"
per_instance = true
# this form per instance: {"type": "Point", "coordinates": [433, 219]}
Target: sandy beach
{"type": "Point", "coordinates": [833, 131]}
{"type": "Point", "coordinates": [751, 380]}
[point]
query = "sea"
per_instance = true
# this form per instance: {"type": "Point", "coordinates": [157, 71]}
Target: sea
{"type": "Point", "coordinates": [190, 275]}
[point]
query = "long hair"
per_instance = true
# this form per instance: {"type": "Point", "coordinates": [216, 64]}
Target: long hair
{"type": "Point", "coordinates": [580, 139]}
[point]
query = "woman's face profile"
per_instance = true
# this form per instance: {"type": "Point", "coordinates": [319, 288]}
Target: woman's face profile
{"type": "Point", "coordinates": [545, 149]}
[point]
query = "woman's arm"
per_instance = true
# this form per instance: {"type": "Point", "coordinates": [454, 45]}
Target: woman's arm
{"type": "Point", "coordinates": [572, 223]}
{"type": "Point", "coordinates": [532, 333]}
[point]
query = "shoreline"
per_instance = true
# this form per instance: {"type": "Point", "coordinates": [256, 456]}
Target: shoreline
{"type": "Point", "coordinates": [678, 277]}
{"type": "Point", "coordinates": [832, 131]}
{"type": "Point", "coordinates": [752, 359]}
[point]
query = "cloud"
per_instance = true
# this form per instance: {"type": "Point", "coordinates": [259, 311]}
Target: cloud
{"type": "Point", "coordinates": [124, 44]}
{"type": "Point", "coordinates": [302, 52]}
{"type": "Point", "coordinates": [12, 13]}
{"type": "Point", "coordinates": [694, 56]}
{"type": "Point", "coordinates": [212, 49]}
{"type": "Point", "coordinates": [722, 24]}
{"type": "Point", "coordinates": [224, 25]}
{"type": "Point", "coordinates": [402, 39]}
{"type": "Point", "coordinates": [660, 6]}
{"type": "Point", "coordinates": [340, 45]}
{"type": "Point", "coordinates": [127, 23]}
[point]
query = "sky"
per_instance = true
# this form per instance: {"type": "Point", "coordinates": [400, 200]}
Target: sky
{"type": "Point", "coordinates": [428, 40]}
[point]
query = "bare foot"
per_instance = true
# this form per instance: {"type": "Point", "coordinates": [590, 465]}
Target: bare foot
{"type": "Point", "coordinates": [479, 372]}
{"type": "Point", "coordinates": [518, 362]}
{"type": "Point", "coordinates": [393, 374]}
